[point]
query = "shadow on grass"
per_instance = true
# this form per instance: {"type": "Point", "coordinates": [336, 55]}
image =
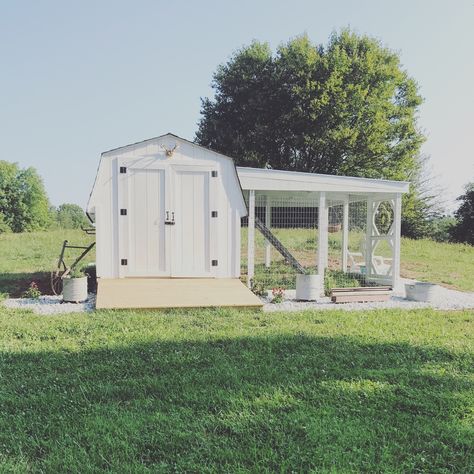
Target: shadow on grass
{"type": "Point", "coordinates": [275, 403]}
{"type": "Point", "coordinates": [16, 283]}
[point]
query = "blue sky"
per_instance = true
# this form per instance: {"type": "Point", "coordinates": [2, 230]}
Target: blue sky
{"type": "Point", "coordinates": [78, 78]}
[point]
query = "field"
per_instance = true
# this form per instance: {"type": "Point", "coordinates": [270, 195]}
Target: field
{"type": "Point", "coordinates": [236, 391]}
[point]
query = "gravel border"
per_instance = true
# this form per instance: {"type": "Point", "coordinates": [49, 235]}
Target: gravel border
{"type": "Point", "coordinates": [444, 299]}
{"type": "Point", "coordinates": [51, 305]}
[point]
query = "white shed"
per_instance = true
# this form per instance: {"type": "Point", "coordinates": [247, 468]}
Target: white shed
{"type": "Point", "coordinates": [168, 215]}
{"type": "Point", "coordinates": [166, 207]}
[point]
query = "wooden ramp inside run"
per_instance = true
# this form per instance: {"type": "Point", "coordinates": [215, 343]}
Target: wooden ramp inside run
{"type": "Point", "coordinates": [161, 293]}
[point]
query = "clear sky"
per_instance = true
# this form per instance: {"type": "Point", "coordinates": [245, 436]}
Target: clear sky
{"type": "Point", "coordinates": [79, 78]}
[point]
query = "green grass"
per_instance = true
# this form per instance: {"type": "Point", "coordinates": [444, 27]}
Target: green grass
{"type": "Point", "coordinates": [31, 257]}
{"type": "Point", "coordinates": [447, 264]}
{"type": "Point", "coordinates": [235, 391]}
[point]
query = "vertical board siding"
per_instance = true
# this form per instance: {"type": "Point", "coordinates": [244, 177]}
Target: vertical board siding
{"type": "Point", "coordinates": [192, 224]}
{"type": "Point", "coordinates": [146, 208]}
{"type": "Point", "coordinates": [147, 190]}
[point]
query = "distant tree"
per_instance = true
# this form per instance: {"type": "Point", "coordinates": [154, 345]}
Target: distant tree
{"type": "Point", "coordinates": [24, 204]}
{"type": "Point", "coordinates": [347, 108]}
{"type": "Point", "coordinates": [70, 216]}
{"type": "Point", "coordinates": [463, 231]}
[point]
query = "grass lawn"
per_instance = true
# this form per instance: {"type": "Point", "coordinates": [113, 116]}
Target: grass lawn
{"type": "Point", "coordinates": [450, 265]}
{"type": "Point", "coordinates": [235, 391]}
{"type": "Point", "coordinates": [229, 391]}
{"type": "Point", "coordinates": [31, 257]}
{"type": "Point", "coordinates": [27, 257]}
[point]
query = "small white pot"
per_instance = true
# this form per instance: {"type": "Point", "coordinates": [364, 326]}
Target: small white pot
{"type": "Point", "coordinates": [308, 287]}
{"type": "Point", "coordinates": [420, 291]}
{"type": "Point", "coordinates": [75, 289]}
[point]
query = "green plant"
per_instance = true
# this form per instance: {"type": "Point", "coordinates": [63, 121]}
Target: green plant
{"type": "Point", "coordinates": [257, 287]}
{"type": "Point", "coordinates": [32, 291]}
{"type": "Point", "coordinates": [277, 294]}
{"type": "Point", "coordinates": [339, 279]}
{"type": "Point", "coordinates": [76, 273]}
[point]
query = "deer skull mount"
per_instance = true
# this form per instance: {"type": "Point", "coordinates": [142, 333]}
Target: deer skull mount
{"type": "Point", "coordinates": [169, 151]}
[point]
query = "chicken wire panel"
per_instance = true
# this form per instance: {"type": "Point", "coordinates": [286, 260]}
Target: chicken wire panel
{"type": "Point", "coordinates": [352, 274]}
{"type": "Point", "coordinates": [340, 274]}
{"type": "Point", "coordinates": [369, 246]}
{"type": "Point", "coordinates": [292, 224]}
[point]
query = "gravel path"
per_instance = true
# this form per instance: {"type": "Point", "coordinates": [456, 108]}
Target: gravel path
{"type": "Point", "coordinates": [444, 299]}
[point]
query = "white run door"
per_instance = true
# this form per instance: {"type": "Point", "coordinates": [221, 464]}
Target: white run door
{"type": "Point", "coordinates": [191, 254]}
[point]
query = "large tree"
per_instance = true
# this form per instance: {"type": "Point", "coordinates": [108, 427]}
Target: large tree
{"type": "Point", "coordinates": [347, 108]}
{"type": "Point", "coordinates": [463, 231]}
{"type": "Point", "coordinates": [344, 108]}
{"type": "Point", "coordinates": [24, 204]}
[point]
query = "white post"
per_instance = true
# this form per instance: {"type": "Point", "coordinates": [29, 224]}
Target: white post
{"type": "Point", "coordinates": [251, 239]}
{"type": "Point", "coordinates": [345, 233]}
{"type": "Point", "coordinates": [368, 236]}
{"type": "Point", "coordinates": [268, 223]}
{"type": "Point", "coordinates": [397, 227]}
{"type": "Point", "coordinates": [323, 221]}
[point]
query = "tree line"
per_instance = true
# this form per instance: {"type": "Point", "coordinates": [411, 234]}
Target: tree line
{"type": "Point", "coordinates": [344, 108]}
{"type": "Point", "coordinates": [24, 203]}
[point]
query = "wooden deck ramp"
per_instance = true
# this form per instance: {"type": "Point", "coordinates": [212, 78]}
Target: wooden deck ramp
{"type": "Point", "coordinates": [161, 293]}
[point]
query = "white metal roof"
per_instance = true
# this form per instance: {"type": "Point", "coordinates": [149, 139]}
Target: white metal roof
{"type": "Point", "coordinates": [276, 180]}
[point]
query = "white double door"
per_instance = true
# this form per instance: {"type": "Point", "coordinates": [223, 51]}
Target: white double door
{"type": "Point", "coordinates": [165, 230]}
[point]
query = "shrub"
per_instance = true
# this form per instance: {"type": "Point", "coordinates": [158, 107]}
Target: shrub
{"type": "Point", "coordinates": [32, 292]}
{"type": "Point", "coordinates": [257, 288]}
{"type": "Point", "coordinates": [277, 294]}
{"type": "Point", "coordinates": [339, 279]}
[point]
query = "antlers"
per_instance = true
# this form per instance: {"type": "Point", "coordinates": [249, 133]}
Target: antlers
{"type": "Point", "coordinates": [169, 152]}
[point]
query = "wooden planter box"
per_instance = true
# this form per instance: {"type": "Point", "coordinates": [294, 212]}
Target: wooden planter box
{"type": "Point", "coordinates": [361, 294]}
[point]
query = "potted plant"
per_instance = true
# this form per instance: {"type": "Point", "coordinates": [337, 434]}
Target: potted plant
{"type": "Point", "coordinates": [75, 287]}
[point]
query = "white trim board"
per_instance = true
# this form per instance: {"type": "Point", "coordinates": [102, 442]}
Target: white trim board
{"type": "Point", "coordinates": [277, 180]}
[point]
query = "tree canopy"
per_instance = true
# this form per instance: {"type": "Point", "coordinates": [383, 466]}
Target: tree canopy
{"type": "Point", "coordinates": [24, 204]}
{"type": "Point", "coordinates": [346, 108]}
{"type": "Point", "coordinates": [70, 216]}
{"type": "Point", "coordinates": [463, 230]}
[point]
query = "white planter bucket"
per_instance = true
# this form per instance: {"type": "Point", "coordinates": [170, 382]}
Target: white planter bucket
{"type": "Point", "coordinates": [420, 291]}
{"type": "Point", "coordinates": [308, 287]}
{"type": "Point", "coordinates": [75, 289]}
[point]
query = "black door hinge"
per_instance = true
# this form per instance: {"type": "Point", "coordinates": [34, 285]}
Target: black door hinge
{"type": "Point", "coordinates": [123, 261]}
{"type": "Point", "coordinates": [214, 214]}
{"type": "Point", "coordinates": [214, 174]}
{"type": "Point", "coordinates": [214, 263]}
{"type": "Point", "coordinates": [123, 212]}
{"type": "Point", "coordinates": [123, 169]}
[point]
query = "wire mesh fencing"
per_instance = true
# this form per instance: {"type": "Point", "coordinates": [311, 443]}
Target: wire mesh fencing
{"type": "Point", "coordinates": [287, 241]}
